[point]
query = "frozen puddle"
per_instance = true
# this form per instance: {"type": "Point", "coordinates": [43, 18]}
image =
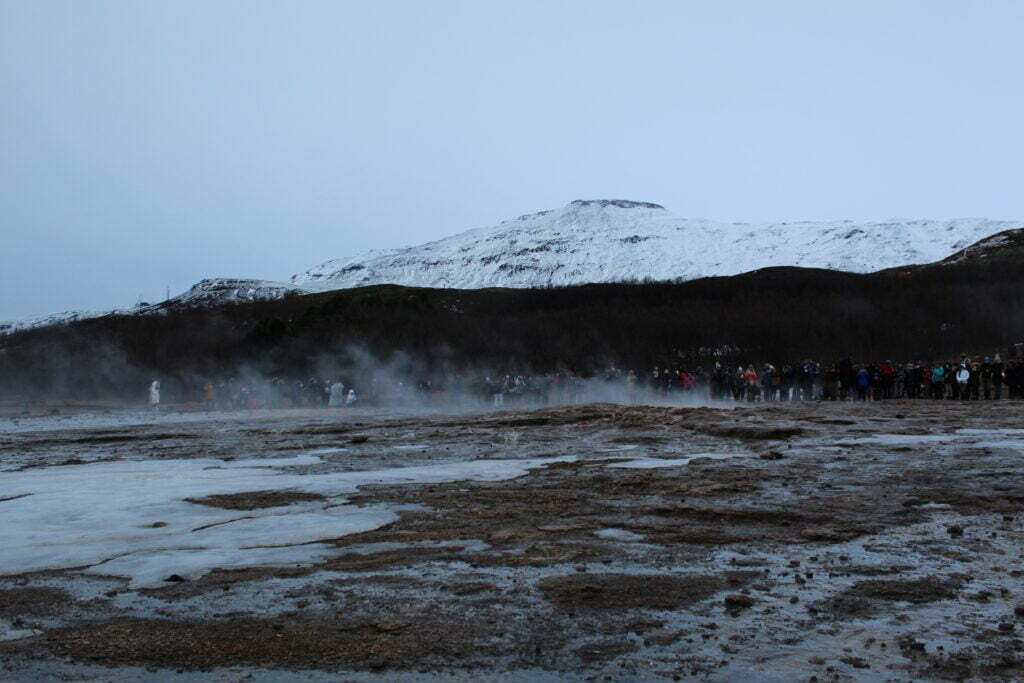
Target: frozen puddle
{"type": "Point", "coordinates": [9, 632]}
{"type": "Point", "coordinates": [991, 432]}
{"type": "Point", "coordinates": [618, 535]}
{"type": "Point", "coordinates": [904, 439]}
{"type": "Point", "coordinates": [998, 438]}
{"type": "Point", "coordinates": [652, 463]}
{"type": "Point", "coordinates": [100, 517]}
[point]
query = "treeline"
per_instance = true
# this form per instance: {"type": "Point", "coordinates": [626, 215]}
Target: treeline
{"type": "Point", "coordinates": [776, 315]}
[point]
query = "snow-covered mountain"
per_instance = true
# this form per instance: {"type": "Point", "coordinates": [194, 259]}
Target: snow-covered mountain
{"type": "Point", "coordinates": [614, 240]}
{"type": "Point", "coordinates": [604, 240]}
{"type": "Point", "coordinates": [205, 292]}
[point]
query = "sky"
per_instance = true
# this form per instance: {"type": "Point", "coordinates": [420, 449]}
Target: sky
{"type": "Point", "coordinates": [147, 145]}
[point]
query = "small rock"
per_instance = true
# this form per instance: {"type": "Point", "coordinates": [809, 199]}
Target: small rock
{"type": "Point", "coordinates": [390, 626]}
{"type": "Point", "coordinates": [175, 578]}
{"type": "Point", "coordinates": [955, 530]}
{"type": "Point", "coordinates": [359, 439]}
{"type": "Point", "coordinates": [157, 525]}
{"type": "Point", "coordinates": [856, 662]}
{"type": "Point", "coordinates": [1006, 627]}
{"type": "Point", "coordinates": [738, 601]}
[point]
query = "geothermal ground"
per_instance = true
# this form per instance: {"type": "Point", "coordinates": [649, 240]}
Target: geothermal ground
{"type": "Point", "coordinates": [781, 542]}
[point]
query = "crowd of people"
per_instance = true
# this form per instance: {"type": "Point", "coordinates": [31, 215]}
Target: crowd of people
{"type": "Point", "coordinates": [966, 378]}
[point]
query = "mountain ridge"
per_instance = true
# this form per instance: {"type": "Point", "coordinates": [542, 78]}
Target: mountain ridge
{"type": "Point", "coordinates": [609, 240]}
{"type": "Point", "coordinates": [599, 240]}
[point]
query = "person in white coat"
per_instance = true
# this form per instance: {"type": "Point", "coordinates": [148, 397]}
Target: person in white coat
{"type": "Point", "coordinates": [154, 395]}
{"type": "Point", "coordinates": [351, 400]}
{"type": "Point", "coordinates": [963, 375]}
{"type": "Point", "coordinates": [337, 395]}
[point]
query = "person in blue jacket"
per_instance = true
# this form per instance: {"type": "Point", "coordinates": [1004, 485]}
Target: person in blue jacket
{"type": "Point", "coordinates": [863, 382]}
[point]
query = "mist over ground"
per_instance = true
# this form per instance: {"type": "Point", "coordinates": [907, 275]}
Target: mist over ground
{"type": "Point", "coordinates": [419, 340]}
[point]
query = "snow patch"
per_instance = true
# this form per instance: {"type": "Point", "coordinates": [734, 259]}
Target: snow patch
{"type": "Point", "coordinates": [131, 519]}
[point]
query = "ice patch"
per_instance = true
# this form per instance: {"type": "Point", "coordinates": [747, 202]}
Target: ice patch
{"type": "Point", "coordinates": [1017, 444]}
{"type": "Point", "coordinates": [328, 451]}
{"type": "Point", "coordinates": [101, 516]}
{"type": "Point", "coordinates": [653, 463]}
{"type": "Point", "coordinates": [9, 632]}
{"type": "Point", "coordinates": [904, 439]}
{"type": "Point", "coordinates": [990, 432]}
{"type": "Point", "coordinates": [618, 535]}
{"type": "Point", "coordinates": [292, 461]}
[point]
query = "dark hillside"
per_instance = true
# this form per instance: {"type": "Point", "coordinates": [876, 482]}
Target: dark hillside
{"type": "Point", "coordinates": [776, 314]}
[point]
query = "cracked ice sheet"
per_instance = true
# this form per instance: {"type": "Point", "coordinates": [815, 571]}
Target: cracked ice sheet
{"type": "Point", "coordinates": [99, 517]}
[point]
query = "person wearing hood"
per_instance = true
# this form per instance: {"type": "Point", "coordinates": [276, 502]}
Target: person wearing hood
{"type": "Point", "coordinates": [351, 399]}
{"type": "Point", "coordinates": [154, 395]}
{"type": "Point", "coordinates": [974, 383]}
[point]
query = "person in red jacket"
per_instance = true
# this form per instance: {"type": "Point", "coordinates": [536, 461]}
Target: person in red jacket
{"type": "Point", "coordinates": [753, 388]}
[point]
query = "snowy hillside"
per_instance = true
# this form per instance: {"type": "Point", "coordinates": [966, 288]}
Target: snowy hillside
{"type": "Point", "coordinates": [614, 240]}
{"type": "Point", "coordinates": [601, 241]}
{"type": "Point", "coordinates": [204, 292]}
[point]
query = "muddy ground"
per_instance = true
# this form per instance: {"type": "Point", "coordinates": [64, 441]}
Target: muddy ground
{"type": "Point", "coordinates": [809, 541]}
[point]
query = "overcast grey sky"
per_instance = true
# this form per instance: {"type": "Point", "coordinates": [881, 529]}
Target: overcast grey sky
{"type": "Point", "coordinates": [146, 145]}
